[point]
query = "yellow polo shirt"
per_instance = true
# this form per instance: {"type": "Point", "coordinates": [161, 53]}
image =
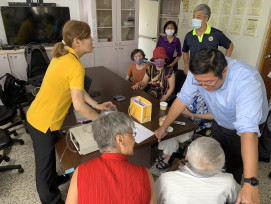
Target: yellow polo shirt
{"type": "Point", "coordinates": [53, 100]}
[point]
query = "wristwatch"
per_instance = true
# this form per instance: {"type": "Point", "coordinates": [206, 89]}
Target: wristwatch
{"type": "Point", "coordinates": [253, 181]}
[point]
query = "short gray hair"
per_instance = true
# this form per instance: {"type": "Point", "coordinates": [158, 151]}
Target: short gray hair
{"type": "Point", "coordinates": [108, 126]}
{"type": "Point", "coordinates": [205, 9]}
{"type": "Point", "coordinates": [205, 156]}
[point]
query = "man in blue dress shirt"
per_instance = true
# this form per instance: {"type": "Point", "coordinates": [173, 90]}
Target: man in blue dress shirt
{"type": "Point", "coordinates": [236, 96]}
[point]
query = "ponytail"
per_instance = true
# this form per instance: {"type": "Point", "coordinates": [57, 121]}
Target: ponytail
{"type": "Point", "coordinates": [59, 50]}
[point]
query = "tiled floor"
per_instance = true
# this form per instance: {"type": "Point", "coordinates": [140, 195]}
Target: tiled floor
{"type": "Point", "coordinates": [18, 188]}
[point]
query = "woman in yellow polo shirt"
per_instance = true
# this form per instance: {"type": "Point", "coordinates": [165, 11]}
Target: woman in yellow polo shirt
{"type": "Point", "coordinates": [62, 85]}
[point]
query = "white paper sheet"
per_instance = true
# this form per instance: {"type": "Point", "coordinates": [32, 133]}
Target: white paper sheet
{"type": "Point", "coordinates": [142, 133]}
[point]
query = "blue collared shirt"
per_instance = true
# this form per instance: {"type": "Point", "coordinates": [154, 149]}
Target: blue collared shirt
{"type": "Point", "coordinates": [240, 103]}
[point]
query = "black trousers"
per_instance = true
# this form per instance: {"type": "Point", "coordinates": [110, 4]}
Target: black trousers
{"type": "Point", "coordinates": [45, 160]}
{"type": "Point", "coordinates": [265, 139]}
{"type": "Point", "coordinates": [231, 144]}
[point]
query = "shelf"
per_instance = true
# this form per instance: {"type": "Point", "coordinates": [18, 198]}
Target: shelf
{"type": "Point", "coordinates": [104, 27]}
{"type": "Point", "coordinates": [127, 26]}
{"type": "Point", "coordinates": [103, 9]}
{"type": "Point", "coordinates": [127, 9]}
{"type": "Point", "coordinates": [168, 16]}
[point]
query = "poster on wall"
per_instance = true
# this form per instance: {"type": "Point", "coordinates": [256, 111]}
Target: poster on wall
{"type": "Point", "coordinates": [240, 7]}
{"type": "Point", "coordinates": [185, 5]}
{"type": "Point", "coordinates": [215, 7]}
{"type": "Point", "coordinates": [224, 23]}
{"type": "Point", "coordinates": [255, 7]}
{"type": "Point", "coordinates": [213, 21]}
{"type": "Point", "coordinates": [251, 27]}
{"type": "Point", "coordinates": [236, 25]}
{"type": "Point", "coordinates": [205, 2]}
{"type": "Point", "coordinates": [226, 8]}
{"type": "Point", "coordinates": [194, 3]}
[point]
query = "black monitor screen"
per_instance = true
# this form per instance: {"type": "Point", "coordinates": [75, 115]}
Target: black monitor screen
{"type": "Point", "coordinates": [34, 24]}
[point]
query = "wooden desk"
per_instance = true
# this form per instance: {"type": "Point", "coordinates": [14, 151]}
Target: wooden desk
{"type": "Point", "coordinates": [110, 84]}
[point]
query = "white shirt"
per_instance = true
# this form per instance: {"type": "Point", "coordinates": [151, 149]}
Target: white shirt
{"type": "Point", "coordinates": [184, 186]}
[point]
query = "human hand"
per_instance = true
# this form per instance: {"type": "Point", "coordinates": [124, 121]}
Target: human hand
{"type": "Point", "coordinates": [136, 86]}
{"type": "Point", "coordinates": [248, 194]}
{"type": "Point", "coordinates": [160, 133]}
{"type": "Point", "coordinates": [187, 113]}
{"type": "Point", "coordinates": [163, 99]}
{"type": "Point", "coordinates": [186, 69]}
{"type": "Point", "coordinates": [106, 106]}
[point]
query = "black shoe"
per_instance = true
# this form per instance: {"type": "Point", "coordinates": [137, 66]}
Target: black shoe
{"type": "Point", "coordinates": [62, 179]}
{"type": "Point", "coordinates": [60, 201]}
{"type": "Point", "coordinates": [263, 159]}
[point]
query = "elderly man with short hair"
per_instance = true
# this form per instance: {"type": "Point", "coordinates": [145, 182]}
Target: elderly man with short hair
{"type": "Point", "coordinates": [203, 36]}
{"type": "Point", "coordinates": [201, 179]}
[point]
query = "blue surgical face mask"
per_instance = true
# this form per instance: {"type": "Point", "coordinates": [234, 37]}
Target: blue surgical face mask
{"type": "Point", "coordinates": [159, 63]}
{"type": "Point", "coordinates": [196, 23]}
{"type": "Point", "coordinates": [138, 60]}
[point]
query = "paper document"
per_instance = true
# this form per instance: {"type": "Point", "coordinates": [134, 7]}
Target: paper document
{"type": "Point", "coordinates": [142, 133]}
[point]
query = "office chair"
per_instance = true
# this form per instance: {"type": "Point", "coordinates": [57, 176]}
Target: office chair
{"type": "Point", "coordinates": [5, 142]}
{"type": "Point", "coordinates": [180, 78]}
{"type": "Point", "coordinates": [7, 115]}
{"type": "Point", "coordinates": [8, 111]}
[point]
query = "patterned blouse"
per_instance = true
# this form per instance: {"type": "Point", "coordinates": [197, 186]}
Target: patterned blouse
{"type": "Point", "coordinates": [158, 83]}
{"type": "Point", "coordinates": [199, 106]}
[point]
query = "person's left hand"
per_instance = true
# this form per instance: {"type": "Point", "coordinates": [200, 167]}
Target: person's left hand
{"type": "Point", "coordinates": [171, 65]}
{"type": "Point", "coordinates": [163, 99]}
{"type": "Point", "coordinates": [106, 106]}
{"type": "Point", "coordinates": [248, 194]}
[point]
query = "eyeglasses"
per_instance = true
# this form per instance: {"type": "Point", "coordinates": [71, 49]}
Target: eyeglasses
{"type": "Point", "coordinates": [206, 83]}
{"type": "Point", "coordinates": [134, 131]}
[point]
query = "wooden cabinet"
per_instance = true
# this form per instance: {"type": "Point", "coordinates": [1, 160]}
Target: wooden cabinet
{"type": "Point", "coordinates": [115, 31]}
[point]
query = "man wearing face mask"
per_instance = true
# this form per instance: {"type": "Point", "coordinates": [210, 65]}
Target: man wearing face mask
{"type": "Point", "coordinates": [171, 44]}
{"type": "Point", "coordinates": [203, 36]}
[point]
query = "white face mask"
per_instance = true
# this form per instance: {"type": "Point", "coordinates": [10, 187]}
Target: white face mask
{"type": "Point", "coordinates": [170, 32]}
{"type": "Point", "coordinates": [196, 23]}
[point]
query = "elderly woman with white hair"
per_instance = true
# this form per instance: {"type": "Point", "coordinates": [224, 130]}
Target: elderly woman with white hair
{"type": "Point", "coordinates": [201, 180]}
{"type": "Point", "coordinates": [111, 178]}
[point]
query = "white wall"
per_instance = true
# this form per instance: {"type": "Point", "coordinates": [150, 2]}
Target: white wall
{"type": "Point", "coordinates": [72, 4]}
{"type": "Point", "coordinates": [246, 48]}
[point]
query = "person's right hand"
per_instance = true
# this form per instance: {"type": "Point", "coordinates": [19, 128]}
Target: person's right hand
{"type": "Point", "coordinates": [187, 113]}
{"type": "Point", "coordinates": [136, 86]}
{"type": "Point", "coordinates": [160, 133]}
{"type": "Point", "coordinates": [186, 69]}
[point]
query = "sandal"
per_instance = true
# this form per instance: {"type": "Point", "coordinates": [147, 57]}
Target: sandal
{"type": "Point", "coordinates": [159, 158]}
{"type": "Point", "coordinates": [163, 164]}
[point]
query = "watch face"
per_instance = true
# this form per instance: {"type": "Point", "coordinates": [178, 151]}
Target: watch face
{"type": "Point", "coordinates": [254, 181]}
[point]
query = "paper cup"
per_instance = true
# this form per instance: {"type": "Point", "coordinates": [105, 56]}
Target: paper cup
{"type": "Point", "coordinates": [163, 106]}
{"type": "Point", "coordinates": [161, 120]}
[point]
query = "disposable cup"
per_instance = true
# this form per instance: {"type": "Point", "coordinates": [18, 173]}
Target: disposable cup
{"type": "Point", "coordinates": [163, 105]}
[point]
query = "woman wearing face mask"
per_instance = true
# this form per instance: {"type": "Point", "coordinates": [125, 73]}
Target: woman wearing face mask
{"type": "Point", "coordinates": [159, 77]}
{"type": "Point", "coordinates": [171, 44]}
{"type": "Point", "coordinates": [137, 69]}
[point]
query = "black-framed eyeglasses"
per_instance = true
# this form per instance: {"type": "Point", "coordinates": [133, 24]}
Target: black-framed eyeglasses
{"type": "Point", "coordinates": [206, 83]}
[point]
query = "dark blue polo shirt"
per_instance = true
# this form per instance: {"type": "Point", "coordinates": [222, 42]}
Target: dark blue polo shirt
{"type": "Point", "coordinates": [212, 38]}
